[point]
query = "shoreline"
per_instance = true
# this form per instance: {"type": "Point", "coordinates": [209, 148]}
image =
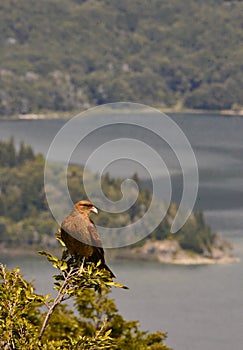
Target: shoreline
{"type": "Point", "coordinates": [170, 252]}
{"type": "Point", "coordinates": [185, 261]}
{"type": "Point", "coordinates": [71, 114]}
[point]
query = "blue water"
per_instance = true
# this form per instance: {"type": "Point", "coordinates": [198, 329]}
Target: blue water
{"type": "Point", "coordinates": [200, 307]}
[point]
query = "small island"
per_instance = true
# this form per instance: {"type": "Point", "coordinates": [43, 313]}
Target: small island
{"type": "Point", "coordinates": [26, 220]}
{"type": "Point", "coordinates": [169, 251]}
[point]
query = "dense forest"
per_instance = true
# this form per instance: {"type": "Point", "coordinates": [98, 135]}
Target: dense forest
{"type": "Point", "coordinates": [26, 220]}
{"type": "Point", "coordinates": [68, 55]}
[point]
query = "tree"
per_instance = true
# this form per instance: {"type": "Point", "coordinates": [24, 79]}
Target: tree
{"type": "Point", "coordinates": [25, 153]}
{"type": "Point", "coordinates": [98, 326]}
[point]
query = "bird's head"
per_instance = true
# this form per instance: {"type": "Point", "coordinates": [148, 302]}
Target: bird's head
{"type": "Point", "coordinates": [86, 207]}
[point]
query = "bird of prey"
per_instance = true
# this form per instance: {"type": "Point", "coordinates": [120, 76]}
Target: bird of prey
{"type": "Point", "coordinates": [80, 235]}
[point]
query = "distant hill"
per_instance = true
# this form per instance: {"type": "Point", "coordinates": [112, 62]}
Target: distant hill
{"type": "Point", "coordinates": [67, 55]}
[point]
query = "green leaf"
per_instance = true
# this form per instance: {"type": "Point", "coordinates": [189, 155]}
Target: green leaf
{"type": "Point", "coordinates": [63, 266]}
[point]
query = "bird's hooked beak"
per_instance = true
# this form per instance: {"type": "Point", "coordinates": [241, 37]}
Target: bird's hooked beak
{"type": "Point", "coordinates": [94, 210]}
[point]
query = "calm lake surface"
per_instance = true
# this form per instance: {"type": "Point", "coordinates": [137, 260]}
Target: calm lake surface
{"type": "Point", "coordinates": [200, 307]}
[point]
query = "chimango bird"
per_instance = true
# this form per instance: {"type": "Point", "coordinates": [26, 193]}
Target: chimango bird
{"type": "Point", "coordinates": [80, 235]}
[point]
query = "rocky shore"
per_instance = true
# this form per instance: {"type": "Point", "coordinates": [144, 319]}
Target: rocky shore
{"type": "Point", "coordinates": [170, 252]}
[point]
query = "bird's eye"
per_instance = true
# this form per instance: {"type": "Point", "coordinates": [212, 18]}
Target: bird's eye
{"type": "Point", "coordinates": [86, 205]}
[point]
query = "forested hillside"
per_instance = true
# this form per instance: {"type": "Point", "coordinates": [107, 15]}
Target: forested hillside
{"type": "Point", "coordinates": [66, 55]}
{"type": "Point", "coordinates": [26, 220]}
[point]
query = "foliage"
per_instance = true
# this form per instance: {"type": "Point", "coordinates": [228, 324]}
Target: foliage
{"type": "Point", "coordinates": [97, 308]}
{"type": "Point", "coordinates": [68, 55]}
{"type": "Point", "coordinates": [19, 313]}
{"type": "Point", "coordinates": [97, 326]}
{"type": "Point", "coordinates": [10, 157]}
{"type": "Point", "coordinates": [24, 215]}
{"type": "Point", "coordinates": [195, 235]}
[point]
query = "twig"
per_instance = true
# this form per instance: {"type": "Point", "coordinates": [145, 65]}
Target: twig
{"type": "Point", "coordinates": [59, 298]}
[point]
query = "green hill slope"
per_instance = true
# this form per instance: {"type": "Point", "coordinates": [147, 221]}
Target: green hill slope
{"type": "Point", "coordinates": [66, 55]}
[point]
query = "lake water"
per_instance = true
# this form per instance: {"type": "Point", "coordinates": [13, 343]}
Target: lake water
{"type": "Point", "coordinates": [200, 307]}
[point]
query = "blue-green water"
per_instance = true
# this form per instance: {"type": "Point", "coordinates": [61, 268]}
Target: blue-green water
{"type": "Point", "coordinates": [200, 307]}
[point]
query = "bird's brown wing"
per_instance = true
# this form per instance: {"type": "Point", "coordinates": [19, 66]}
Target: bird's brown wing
{"type": "Point", "coordinates": [96, 243]}
{"type": "Point", "coordinates": [94, 235]}
{"type": "Point", "coordinates": [98, 251]}
{"type": "Point", "coordinates": [78, 227]}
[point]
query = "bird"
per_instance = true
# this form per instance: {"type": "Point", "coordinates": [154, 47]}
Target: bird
{"type": "Point", "coordinates": [79, 234]}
